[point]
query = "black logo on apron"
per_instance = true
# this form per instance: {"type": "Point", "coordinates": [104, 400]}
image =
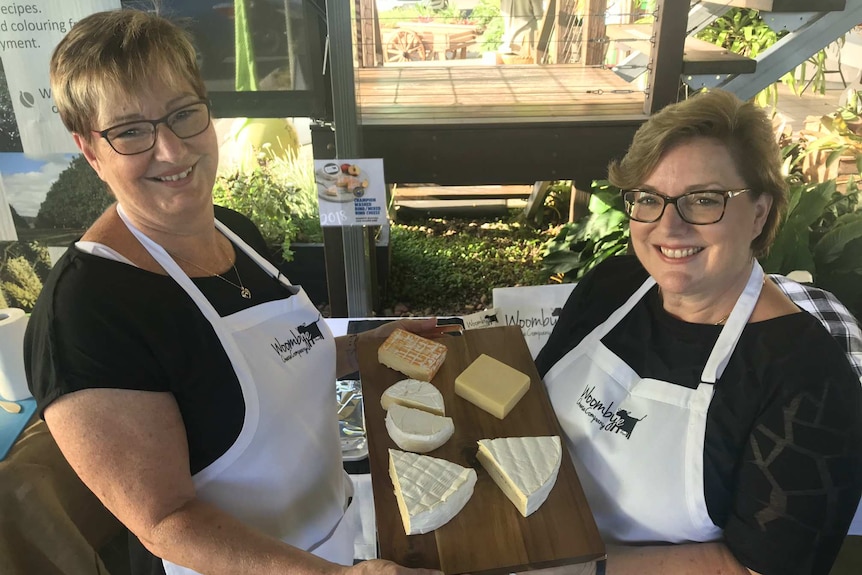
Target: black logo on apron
{"type": "Point", "coordinates": [299, 342]}
{"type": "Point", "coordinates": [619, 421]}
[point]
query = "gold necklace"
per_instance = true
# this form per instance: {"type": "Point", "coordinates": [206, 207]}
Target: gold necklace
{"type": "Point", "coordinates": [243, 291]}
{"type": "Point", "coordinates": [722, 320]}
{"type": "Point", "coordinates": [719, 322]}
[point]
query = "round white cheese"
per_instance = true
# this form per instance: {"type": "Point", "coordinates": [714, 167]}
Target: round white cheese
{"type": "Point", "coordinates": [416, 394]}
{"type": "Point", "coordinates": [416, 430]}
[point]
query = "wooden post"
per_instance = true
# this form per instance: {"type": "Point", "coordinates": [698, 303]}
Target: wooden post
{"type": "Point", "coordinates": [594, 32]}
{"type": "Point", "coordinates": [366, 36]}
{"type": "Point", "coordinates": [579, 203]}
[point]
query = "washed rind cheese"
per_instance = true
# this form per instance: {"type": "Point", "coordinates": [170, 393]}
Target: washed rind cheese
{"type": "Point", "coordinates": [430, 491]}
{"type": "Point", "coordinates": [416, 394]}
{"type": "Point", "coordinates": [492, 385]}
{"type": "Point", "coordinates": [412, 355]}
{"type": "Point", "coordinates": [524, 468]}
{"type": "Point", "coordinates": [417, 430]}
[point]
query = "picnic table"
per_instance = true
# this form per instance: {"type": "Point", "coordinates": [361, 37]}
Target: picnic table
{"type": "Point", "coordinates": [417, 41]}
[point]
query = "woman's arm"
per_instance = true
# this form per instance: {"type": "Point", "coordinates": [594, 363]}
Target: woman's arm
{"type": "Point", "coordinates": [686, 559]}
{"type": "Point", "coordinates": [129, 447]}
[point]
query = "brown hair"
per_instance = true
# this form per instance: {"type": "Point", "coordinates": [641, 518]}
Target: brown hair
{"type": "Point", "coordinates": [744, 129]}
{"type": "Point", "coordinates": [118, 51]}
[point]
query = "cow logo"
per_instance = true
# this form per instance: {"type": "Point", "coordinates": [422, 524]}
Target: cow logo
{"type": "Point", "coordinates": [299, 342]}
{"type": "Point", "coordinates": [626, 423]}
{"type": "Point", "coordinates": [312, 330]}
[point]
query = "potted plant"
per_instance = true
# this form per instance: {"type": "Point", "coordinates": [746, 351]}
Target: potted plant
{"type": "Point", "coordinates": [831, 146]}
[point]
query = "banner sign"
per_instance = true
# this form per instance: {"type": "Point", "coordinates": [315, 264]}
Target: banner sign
{"type": "Point", "coordinates": [29, 32]}
{"type": "Point", "coordinates": [535, 309]}
{"type": "Point", "coordinates": [351, 192]}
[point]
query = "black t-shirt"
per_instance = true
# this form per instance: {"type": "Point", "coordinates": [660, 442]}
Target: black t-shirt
{"type": "Point", "coordinates": [100, 323]}
{"type": "Point", "coordinates": [783, 445]}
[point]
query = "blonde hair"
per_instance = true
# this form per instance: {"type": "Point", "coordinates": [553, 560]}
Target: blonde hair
{"type": "Point", "coordinates": [117, 52]}
{"type": "Point", "coordinates": [744, 129]}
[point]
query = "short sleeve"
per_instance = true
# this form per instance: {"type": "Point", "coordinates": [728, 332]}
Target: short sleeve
{"type": "Point", "coordinates": [799, 477]}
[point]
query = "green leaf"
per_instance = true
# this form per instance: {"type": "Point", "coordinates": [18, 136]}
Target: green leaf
{"type": "Point", "coordinates": [829, 248]}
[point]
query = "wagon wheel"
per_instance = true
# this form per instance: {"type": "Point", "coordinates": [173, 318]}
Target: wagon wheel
{"type": "Point", "coordinates": [405, 46]}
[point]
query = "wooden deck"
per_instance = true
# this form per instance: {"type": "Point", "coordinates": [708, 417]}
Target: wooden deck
{"type": "Point", "coordinates": [426, 93]}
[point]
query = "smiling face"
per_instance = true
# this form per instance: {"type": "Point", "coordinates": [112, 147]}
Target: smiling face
{"type": "Point", "coordinates": [708, 261]}
{"type": "Point", "coordinates": [169, 185]}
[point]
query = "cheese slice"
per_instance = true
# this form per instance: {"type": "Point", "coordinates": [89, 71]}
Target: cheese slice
{"type": "Point", "coordinates": [525, 468]}
{"type": "Point", "coordinates": [416, 394]}
{"type": "Point", "coordinates": [417, 430]}
{"type": "Point", "coordinates": [412, 355]}
{"type": "Point", "coordinates": [492, 385]}
{"type": "Point", "coordinates": [430, 491]}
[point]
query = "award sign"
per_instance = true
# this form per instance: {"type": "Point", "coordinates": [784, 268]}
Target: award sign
{"type": "Point", "coordinates": [351, 192]}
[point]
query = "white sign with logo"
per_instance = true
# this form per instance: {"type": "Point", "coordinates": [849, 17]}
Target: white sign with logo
{"type": "Point", "coordinates": [351, 192]}
{"type": "Point", "coordinates": [29, 32]}
{"type": "Point", "coordinates": [534, 308]}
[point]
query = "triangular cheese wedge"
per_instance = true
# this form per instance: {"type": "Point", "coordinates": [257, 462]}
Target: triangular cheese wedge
{"type": "Point", "coordinates": [417, 430]}
{"type": "Point", "coordinates": [416, 394]}
{"type": "Point", "coordinates": [525, 468]}
{"type": "Point", "coordinates": [430, 491]}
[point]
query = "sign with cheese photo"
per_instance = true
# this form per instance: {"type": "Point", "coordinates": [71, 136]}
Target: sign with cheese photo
{"type": "Point", "coordinates": [351, 192]}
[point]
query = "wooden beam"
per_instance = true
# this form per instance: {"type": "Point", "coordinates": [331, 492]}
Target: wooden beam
{"type": "Point", "coordinates": [537, 199]}
{"type": "Point", "coordinates": [459, 154]}
{"type": "Point", "coordinates": [786, 5]}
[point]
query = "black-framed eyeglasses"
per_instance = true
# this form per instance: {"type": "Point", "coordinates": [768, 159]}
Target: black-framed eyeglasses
{"type": "Point", "coordinates": [698, 207]}
{"type": "Point", "coordinates": [137, 137]}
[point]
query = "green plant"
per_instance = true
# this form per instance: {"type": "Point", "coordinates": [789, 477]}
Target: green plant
{"type": "Point", "coordinates": [278, 194]}
{"type": "Point", "coordinates": [75, 199]}
{"type": "Point", "coordinates": [822, 234]}
{"type": "Point", "coordinates": [744, 32]}
{"type": "Point", "coordinates": [835, 139]}
{"type": "Point", "coordinates": [23, 268]}
{"type": "Point", "coordinates": [488, 17]}
{"type": "Point", "coordinates": [580, 246]}
{"type": "Point", "coordinates": [443, 264]}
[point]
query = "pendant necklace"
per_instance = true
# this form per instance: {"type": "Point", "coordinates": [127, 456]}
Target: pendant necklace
{"type": "Point", "coordinates": [722, 320]}
{"type": "Point", "coordinates": [719, 322]}
{"type": "Point", "coordinates": [243, 291]}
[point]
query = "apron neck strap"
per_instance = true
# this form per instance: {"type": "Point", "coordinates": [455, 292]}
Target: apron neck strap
{"type": "Point", "coordinates": [732, 330]}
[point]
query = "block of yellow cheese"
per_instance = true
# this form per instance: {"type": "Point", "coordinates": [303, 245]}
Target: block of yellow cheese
{"type": "Point", "coordinates": [412, 355]}
{"type": "Point", "coordinates": [492, 385]}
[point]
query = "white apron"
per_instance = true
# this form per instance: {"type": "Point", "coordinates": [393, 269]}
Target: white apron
{"type": "Point", "coordinates": [283, 475]}
{"type": "Point", "coordinates": [637, 443]}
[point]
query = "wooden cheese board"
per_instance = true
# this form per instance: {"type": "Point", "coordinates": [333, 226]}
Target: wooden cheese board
{"type": "Point", "coordinates": [489, 535]}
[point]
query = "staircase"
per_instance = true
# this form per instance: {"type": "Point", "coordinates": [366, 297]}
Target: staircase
{"type": "Point", "coordinates": [812, 25]}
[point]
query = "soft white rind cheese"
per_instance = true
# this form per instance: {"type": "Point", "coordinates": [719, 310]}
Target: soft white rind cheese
{"type": "Point", "coordinates": [416, 394]}
{"type": "Point", "coordinates": [417, 430]}
{"type": "Point", "coordinates": [430, 491]}
{"type": "Point", "coordinates": [525, 468]}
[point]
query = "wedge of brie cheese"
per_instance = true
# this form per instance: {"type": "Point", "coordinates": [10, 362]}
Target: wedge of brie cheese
{"type": "Point", "coordinates": [430, 491]}
{"type": "Point", "coordinates": [416, 394]}
{"type": "Point", "coordinates": [525, 468]}
{"type": "Point", "coordinates": [417, 430]}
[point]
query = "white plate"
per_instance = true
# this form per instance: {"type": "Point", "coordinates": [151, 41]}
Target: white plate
{"type": "Point", "coordinates": [342, 194]}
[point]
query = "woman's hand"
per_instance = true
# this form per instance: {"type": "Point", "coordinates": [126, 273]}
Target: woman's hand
{"type": "Point", "coordinates": [381, 567]}
{"type": "Point", "coordinates": [346, 346]}
{"type": "Point", "coordinates": [424, 327]}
